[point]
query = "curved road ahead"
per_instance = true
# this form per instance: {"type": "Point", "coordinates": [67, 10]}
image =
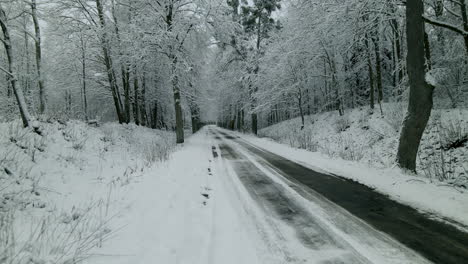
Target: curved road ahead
{"type": "Point", "coordinates": [332, 214]}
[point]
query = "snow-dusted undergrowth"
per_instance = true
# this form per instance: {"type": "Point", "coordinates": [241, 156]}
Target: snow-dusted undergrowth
{"type": "Point", "coordinates": [373, 138]}
{"type": "Point", "coordinates": [59, 190]}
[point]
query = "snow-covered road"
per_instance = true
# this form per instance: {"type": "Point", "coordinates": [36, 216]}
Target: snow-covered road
{"type": "Point", "coordinates": [304, 228]}
{"type": "Point", "coordinates": [328, 210]}
{"type": "Point", "coordinates": [223, 200]}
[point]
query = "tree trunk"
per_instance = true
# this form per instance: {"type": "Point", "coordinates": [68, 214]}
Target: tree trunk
{"type": "Point", "coordinates": [26, 83]}
{"type": "Point", "coordinates": [464, 14]}
{"type": "Point", "coordinates": [378, 69]}
{"type": "Point", "coordinates": [25, 117]}
{"type": "Point", "coordinates": [177, 103]}
{"type": "Point", "coordinates": [175, 82]}
{"type": "Point", "coordinates": [254, 123]}
{"type": "Point", "coordinates": [136, 98]}
{"type": "Point", "coordinates": [371, 74]}
{"type": "Point", "coordinates": [125, 71]}
{"type": "Point", "coordinates": [144, 117]}
{"type": "Point", "coordinates": [195, 117]}
{"type": "Point", "coordinates": [420, 96]}
{"type": "Point", "coordinates": [109, 65]}
{"type": "Point", "coordinates": [239, 119]}
{"type": "Point", "coordinates": [83, 77]}
{"type": "Point", "coordinates": [37, 41]}
{"type": "Point", "coordinates": [301, 111]}
{"type": "Point", "coordinates": [154, 116]}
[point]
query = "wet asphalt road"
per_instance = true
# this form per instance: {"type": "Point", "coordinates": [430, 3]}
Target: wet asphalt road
{"type": "Point", "coordinates": [436, 241]}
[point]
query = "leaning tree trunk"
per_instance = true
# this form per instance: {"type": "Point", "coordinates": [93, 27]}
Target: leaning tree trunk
{"type": "Point", "coordinates": [420, 96]}
{"type": "Point", "coordinates": [37, 41]}
{"type": "Point", "coordinates": [11, 76]}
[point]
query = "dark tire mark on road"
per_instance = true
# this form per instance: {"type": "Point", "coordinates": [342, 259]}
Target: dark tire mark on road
{"type": "Point", "coordinates": [213, 150]}
{"type": "Point", "coordinates": [437, 241]}
{"type": "Point", "coordinates": [274, 199]}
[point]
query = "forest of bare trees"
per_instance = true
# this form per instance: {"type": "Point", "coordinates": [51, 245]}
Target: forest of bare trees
{"type": "Point", "coordinates": [160, 63]}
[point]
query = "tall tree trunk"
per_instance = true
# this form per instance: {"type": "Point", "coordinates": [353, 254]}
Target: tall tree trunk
{"type": "Point", "coordinates": [125, 71]}
{"type": "Point", "coordinates": [195, 117]}
{"type": "Point", "coordinates": [420, 96]}
{"type": "Point", "coordinates": [109, 65]}
{"type": "Point", "coordinates": [37, 41]}
{"type": "Point", "coordinates": [371, 74]}
{"type": "Point", "coordinates": [301, 111]}
{"type": "Point", "coordinates": [398, 71]}
{"type": "Point", "coordinates": [26, 83]}
{"type": "Point", "coordinates": [136, 98]}
{"type": "Point", "coordinates": [378, 69]}
{"type": "Point", "coordinates": [144, 117]}
{"type": "Point", "coordinates": [25, 117]}
{"type": "Point", "coordinates": [238, 117]}
{"type": "Point", "coordinates": [83, 77]}
{"type": "Point", "coordinates": [177, 103]}
{"type": "Point", "coordinates": [175, 82]}
{"type": "Point", "coordinates": [256, 70]}
{"type": "Point", "coordinates": [154, 116]}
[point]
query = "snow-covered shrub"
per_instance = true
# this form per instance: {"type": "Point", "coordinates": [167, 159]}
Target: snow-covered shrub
{"type": "Point", "coordinates": [8, 108]}
{"type": "Point", "coordinates": [349, 149]}
{"type": "Point", "coordinates": [53, 238]}
{"type": "Point", "coordinates": [342, 123]}
{"type": "Point", "coordinates": [453, 133]}
{"type": "Point", "coordinates": [394, 116]}
{"type": "Point", "coordinates": [303, 139]}
{"type": "Point", "coordinates": [439, 167]}
{"type": "Point", "coordinates": [306, 141]}
{"type": "Point", "coordinates": [75, 134]}
{"type": "Point", "coordinates": [109, 135]}
{"type": "Point", "coordinates": [16, 132]}
{"type": "Point", "coordinates": [157, 151]}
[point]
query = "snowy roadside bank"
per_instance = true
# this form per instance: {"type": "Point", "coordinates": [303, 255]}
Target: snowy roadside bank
{"type": "Point", "coordinates": [372, 138]}
{"type": "Point", "coordinates": [435, 198]}
{"type": "Point", "coordinates": [60, 190]}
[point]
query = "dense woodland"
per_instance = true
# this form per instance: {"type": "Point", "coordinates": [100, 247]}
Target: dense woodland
{"type": "Point", "coordinates": [171, 64]}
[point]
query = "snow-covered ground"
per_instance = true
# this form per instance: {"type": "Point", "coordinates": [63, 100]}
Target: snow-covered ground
{"type": "Point", "coordinates": [61, 190]}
